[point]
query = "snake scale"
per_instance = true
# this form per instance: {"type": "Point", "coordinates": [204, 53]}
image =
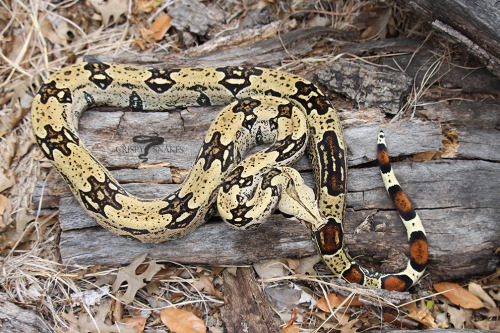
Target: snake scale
{"type": "Point", "coordinates": [262, 106]}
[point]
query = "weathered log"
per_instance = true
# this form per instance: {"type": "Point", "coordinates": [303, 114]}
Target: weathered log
{"type": "Point", "coordinates": [266, 53]}
{"type": "Point", "coordinates": [368, 85]}
{"type": "Point", "coordinates": [475, 24]}
{"type": "Point", "coordinates": [448, 194]}
{"type": "Point", "coordinates": [461, 225]}
{"type": "Point", "coordinates": [463, 114]}
{"type": "Point", "coordinates": [247, 309]}
{"type": "Point", "coordinates": [211, 244]}
{"type": "Point", "coordinates": [183, 138]}
{"type": "Point", "coordinates": [14, 319]}
{"type": "Point", "coordinates": [433, 68]}
{"type": "Point", "coordinates": [440, 190]}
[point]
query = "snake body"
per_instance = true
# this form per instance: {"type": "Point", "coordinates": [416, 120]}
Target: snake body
{"type": "Point", "coordinates": [262, 106]}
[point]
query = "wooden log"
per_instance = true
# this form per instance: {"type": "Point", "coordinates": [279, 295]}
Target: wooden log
{"type": "Point", "coordinates": [461, 225]}
{"type": "Point", "coordinates": [268, 53]}
{"type": "Point", "coordinates": [479, 144]}
{"type": "Point", "coordinates": [15, 319]}
{"type": "Point", "coordinates": [469, 80]}
{"type": "Point", "coordinates": [212, 244]}
{"type": "Point", "coordinates": [368, 85]}
{"type": "Point", "coordinates": [110, 135]}
{"type": "Point", "coordinates": [120, 153]}
{"type": "Point", "coordinates": [475, 24]}
{"type": "Point", "coordinates": [463, 114]}
{"type": "Point", "coordinates": [446, 193]}
{"type": "Point", "coordinates": [450, 258]}
{"type": "Point", "coordinates": [247, 309]}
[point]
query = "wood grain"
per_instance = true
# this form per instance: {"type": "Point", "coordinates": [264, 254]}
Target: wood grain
{"type": "Point", "coordinates": [247, 310]}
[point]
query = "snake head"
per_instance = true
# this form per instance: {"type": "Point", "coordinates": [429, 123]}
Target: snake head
{"type": "Point", "coordinates": [298, 200]}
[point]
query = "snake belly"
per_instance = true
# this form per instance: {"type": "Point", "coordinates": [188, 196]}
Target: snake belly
{"type": "Point", "coordinates": [262, 106]}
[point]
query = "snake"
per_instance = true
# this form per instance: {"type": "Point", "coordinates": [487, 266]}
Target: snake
{"type": "Point", "coordinates": [288, 115]}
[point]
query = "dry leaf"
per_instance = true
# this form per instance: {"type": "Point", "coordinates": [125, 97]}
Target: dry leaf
{"type": "Point", "coordinates": [136, 322]}
{"type": "Point", "coordinates": [335, 301]}
{"type": "Point", "coordinates": [181, 321]}
{"type": "Point", "coordinates": [206, 283]}
{"type": "Point", "coordinates": [458, 295]}
{"type": "Point", "coordinates": [117, 308]}
{"type": "Point", "coordinates": [353, 301]}
{"type": "Point", "coordinates": [270, 269]}
{"type": "Point", "coordinates": [349, 327]}
{"type": "Point", "coordinates": [458, 317]}
{"type": "Point", "coordinates": [376, 20]}
{"type": "Point", "coordinates": [342, 318]}
{"type": "Point", "coordinates": [492, 311]}
{"type": "Point", "coordinates": [329, 302]}
{"type": "Point", "coordinates": [96, 323]}
{"type": "Point", "coordinates": [160, 27]}
{"type": "Point", "coordinates": [145, 6]}
{"type": "Point", "coordinates": [6, 180]}
{"type": "Point", "coordinates": [495, 294]}
{"type": "Point", "coordinates": [54, 30]}
{"type": "Point", "coordinates": [320, 314]}
{"type": "Point", "coordinates": [293, 263]}
{"type": "Point", "coordinates": [421, 314]}
{"type": "Point", "coordinates": [424, 318]}
{"type": "Point", "coordinates": [153, 287]}
{"type": "Point", "coordinates": [5, 205]}
{"type": "Point", "coordinates": [110, 8]}
{"type": "Point", "coordinates": [177, 297]}
{"type": "Point", "coordinates": [477, 290]}
{"type": "Point", "coordinates": [135, 282]}
{"type": "Point", "coordinates": [306, 265]}
{"type": "Point", "coordinates": [489, 325]}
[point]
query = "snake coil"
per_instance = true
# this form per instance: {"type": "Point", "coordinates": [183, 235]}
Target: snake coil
{"type": "Point", "coordinates": [262, 106]}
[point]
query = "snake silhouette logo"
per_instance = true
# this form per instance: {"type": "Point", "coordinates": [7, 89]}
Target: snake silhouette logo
{"type": "Point", "coordinates": [150, 141]}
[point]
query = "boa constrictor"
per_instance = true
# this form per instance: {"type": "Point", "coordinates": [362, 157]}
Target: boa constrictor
{"type": "Point", "coordinates": [265, 106]}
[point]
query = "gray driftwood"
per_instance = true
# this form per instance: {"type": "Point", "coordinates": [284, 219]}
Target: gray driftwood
{"type": "Point", "coordinates": [457, 197]}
